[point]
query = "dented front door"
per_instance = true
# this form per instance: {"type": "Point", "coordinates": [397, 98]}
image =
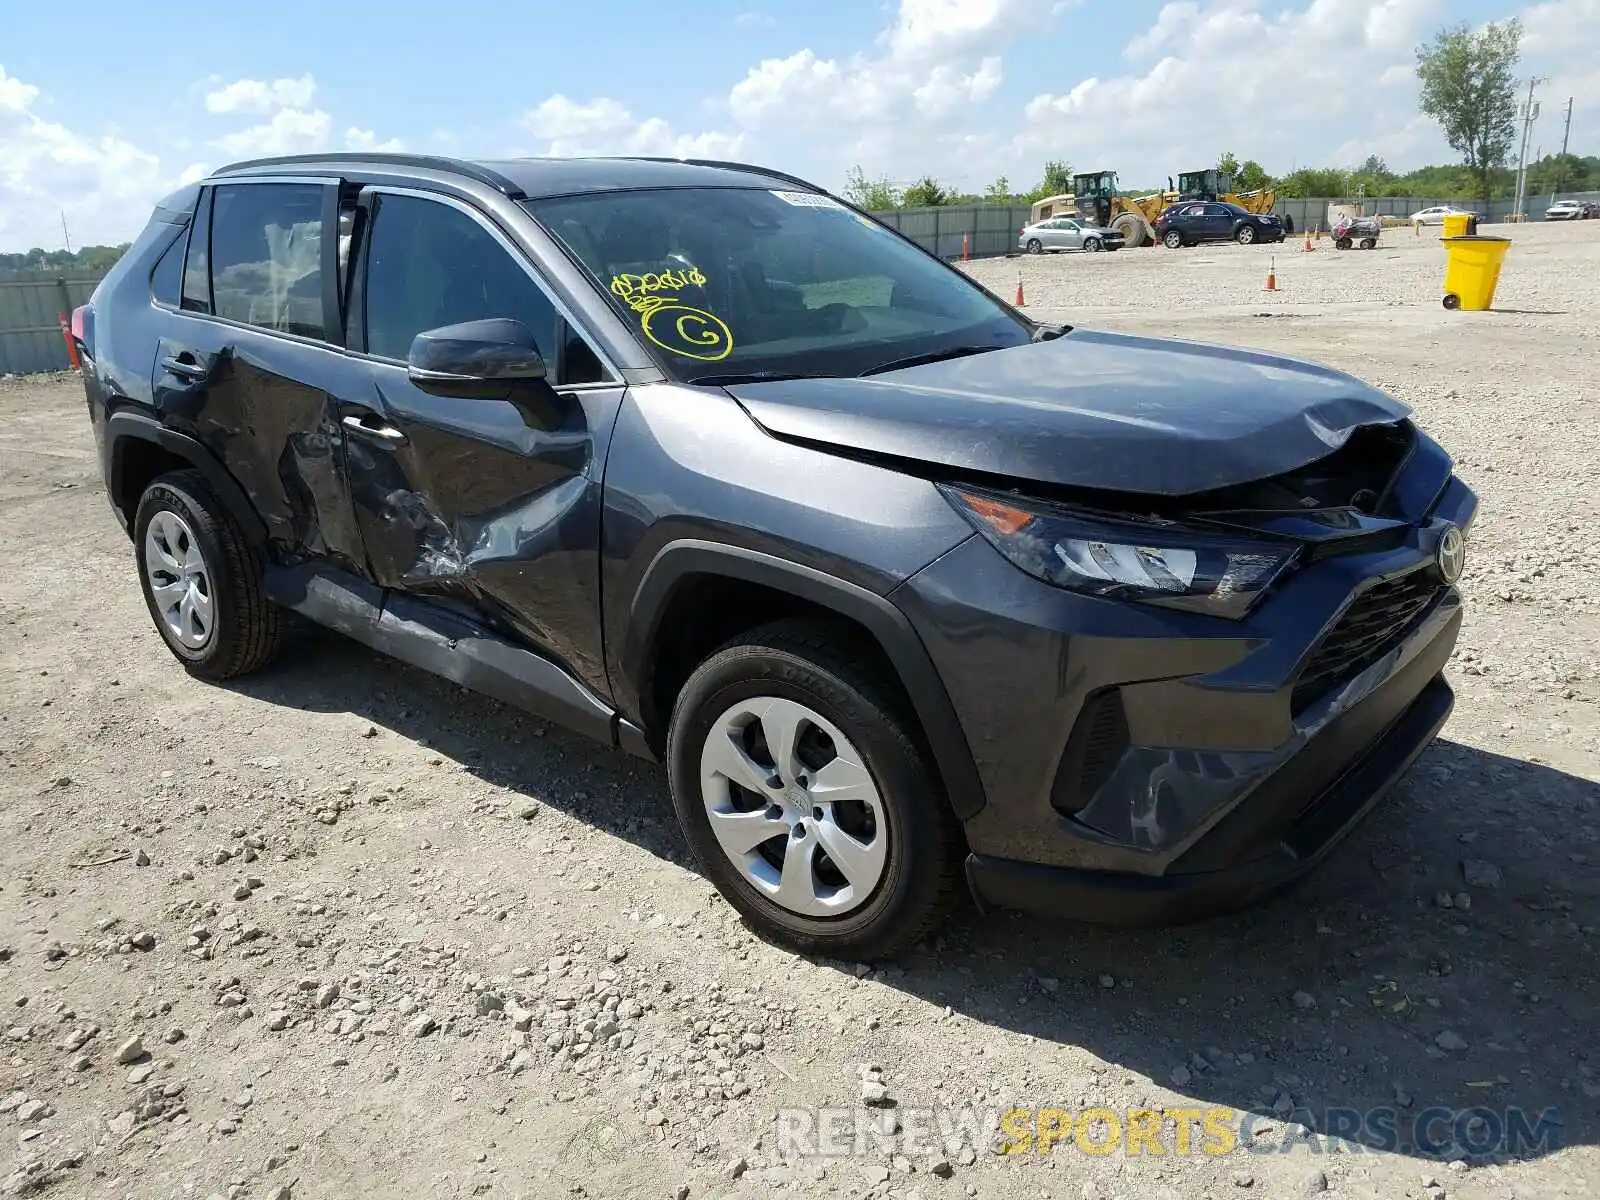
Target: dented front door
{"type": "Point", "coordinates": [461, 501]}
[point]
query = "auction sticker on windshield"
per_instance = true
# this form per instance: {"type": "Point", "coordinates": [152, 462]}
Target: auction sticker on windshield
{"type": "Point", "coordinates": [809, 200]}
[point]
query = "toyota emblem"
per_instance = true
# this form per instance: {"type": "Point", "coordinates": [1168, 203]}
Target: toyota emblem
{"type": "Point", "coordinates": [1452, 554]}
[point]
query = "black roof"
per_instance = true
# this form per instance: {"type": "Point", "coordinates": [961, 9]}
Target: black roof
{"type": "Point", "coordinates": [534, 178]}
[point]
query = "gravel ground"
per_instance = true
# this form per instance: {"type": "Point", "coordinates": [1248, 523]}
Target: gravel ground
{"type": "Point", "coordinates": [345, 930]}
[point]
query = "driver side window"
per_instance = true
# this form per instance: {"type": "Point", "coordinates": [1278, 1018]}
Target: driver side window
{"type": "Point", "coordinates": [430, 265]}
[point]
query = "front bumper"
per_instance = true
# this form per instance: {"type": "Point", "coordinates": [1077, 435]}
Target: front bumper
{"type": "Point", "coordinates": [1127, 899]}
{"type": "Point", "coordinates": [1141, 764]}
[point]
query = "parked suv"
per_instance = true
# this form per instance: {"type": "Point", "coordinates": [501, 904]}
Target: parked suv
{"type": "Point", "coordinates": [692, 457]}
{"type": "Point", "coordinates": [1191, 223]}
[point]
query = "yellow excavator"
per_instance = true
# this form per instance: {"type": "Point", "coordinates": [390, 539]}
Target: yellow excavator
{"type": "Point", "coordinates": [1212, 184]}
{"type": "Point", "coordinates": [1096, 196]}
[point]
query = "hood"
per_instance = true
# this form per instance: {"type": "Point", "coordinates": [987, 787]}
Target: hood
{"type": "Point", "coordinates": [1091, 410]}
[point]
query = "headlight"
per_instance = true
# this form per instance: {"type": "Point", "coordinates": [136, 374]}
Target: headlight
{"type": "Point", "coordinates": [1126, 560]}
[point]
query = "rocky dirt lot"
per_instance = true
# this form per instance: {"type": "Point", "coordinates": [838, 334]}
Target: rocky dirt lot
{"type": "Point", "coordinates": [346, 930]}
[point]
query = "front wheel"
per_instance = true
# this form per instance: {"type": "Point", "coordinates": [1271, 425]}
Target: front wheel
{"type": "Point", "coordinates": [806, 797]}
{"type": "Point", "coordinates": [1035, 246]}
{"type": "Point", "coordinates": [1341, 243]}
{"type": "Point", "coordinates": [1172, 240]}
{"type": "Point", "coordinates": [1092, 245]}
{"type": "Point", "coordinates": [1246, 235]}
{"type": "Point", "coordinates": [1369, 243]}
{"type": "Point", "coordinates": [202, 581]}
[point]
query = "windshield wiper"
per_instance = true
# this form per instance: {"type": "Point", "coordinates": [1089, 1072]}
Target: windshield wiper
{"type": "Point", "coordinates": [755, 377]}
{"type": "Point", "coordinates": [932, 356]}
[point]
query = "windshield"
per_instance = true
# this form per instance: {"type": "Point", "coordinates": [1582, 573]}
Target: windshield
{"type": "Point", "coordinates": [727, 282]}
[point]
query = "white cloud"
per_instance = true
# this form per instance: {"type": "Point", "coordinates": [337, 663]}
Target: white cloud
{"type": "Point", "coordinates": [255, 97]}
{"type": "Point", "coordinates": [1276, 86]}
{"type": "Point", "coordinates": [366, 139]}
{"type": "Point", "coordinates": [574, 128]}
{"type": "Point", "coordinates": [288, 131]}
{"type": "Point", "coordinates": [104, 184]}
{"type": "Point", "coordinates": [754, 18]}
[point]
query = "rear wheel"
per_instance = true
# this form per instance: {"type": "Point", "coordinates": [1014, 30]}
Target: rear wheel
{"type": "Point", "coordinates": [1092, 245]}
{"type": "Point", "coordinates": [806, 798]}
{"type": "Point", "coordinates": [1369, 243]}
{"type": "Point", "coordinates": [1451, 300]}
{"type": "Point", "coordinates": [1341, 243]}
{"type": "Point", "coordinates": [1173, 240]}
{"type": "Point", "coordinates": [1245, 235]}
{"type": "Point", "coordinates": [1035, 246]}
{"type": "Point", "coordinates": [202, 581]}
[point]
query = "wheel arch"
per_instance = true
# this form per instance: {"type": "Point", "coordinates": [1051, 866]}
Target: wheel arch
{"type": "Point", "coordinates": [673, 583]}
{"type": "Point", "coordinates": [138, 449]}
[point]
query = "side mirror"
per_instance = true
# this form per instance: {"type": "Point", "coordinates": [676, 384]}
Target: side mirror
{"type": "Point", "coordinates": [493, 359]}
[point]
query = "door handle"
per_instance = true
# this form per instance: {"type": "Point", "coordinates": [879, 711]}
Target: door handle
{"type": "Point", "coordinates": [373, 425]}
{"type": "Point", "coordinates": [185, 367]}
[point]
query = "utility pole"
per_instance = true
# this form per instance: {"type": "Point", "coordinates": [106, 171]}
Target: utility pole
{"type": "Point", "coordinates": [1565, 133]}
{"type": "Point", "coordinates": [1529, 113]}
{"type": "Point", "coordinates": [65, 236]}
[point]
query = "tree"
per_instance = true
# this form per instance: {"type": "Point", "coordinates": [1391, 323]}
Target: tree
{"type": "Point", "coordinates": [998, 192]}
{"type": "Point", "coordinates": [1309, 181]}
{"type": "Point", "coordinates": [1252, 177]}
{"type": "Point", "coordinates": [927, 192]}
{"type": "Point", "coordinates": [874, 195]}
{"type": "Point", "coordinates": [1374, 168]}
{"type": "Point", "coordinates": [1057, 181]}
{"type": "Point", "coordinates": [1469, 88]}
{"type": "Point", "coordinates": [1228, 166]}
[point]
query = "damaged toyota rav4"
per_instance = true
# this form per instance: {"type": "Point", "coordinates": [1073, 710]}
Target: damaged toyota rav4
{"type": "Point", "coordinates": [905, 589]}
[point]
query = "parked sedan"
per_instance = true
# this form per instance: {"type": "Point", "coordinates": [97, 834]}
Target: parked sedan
{"type": "Point", "coordinates": [1435, 215]}
{"type": "Point", "coordinates": [1067, 233]}
{"type": "Point", "coordinates": [1191, 223]}
{"type": "Point", "coordinates": [1565, 210]}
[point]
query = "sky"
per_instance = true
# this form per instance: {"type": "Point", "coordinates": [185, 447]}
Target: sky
{"type": "Point", "coordinates": [102, 114]}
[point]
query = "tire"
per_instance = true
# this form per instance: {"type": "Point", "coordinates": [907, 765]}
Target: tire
{"type": "Point", "coordinates": [1288, 226]}
{"type": "Point", "coordinates": [1132, 228]}
{"type": "Point", "coordinates": [1092, 245]}
{"type": "Point", "coordinates": [1341, 244]}
{"type": "Point", "coordinates": [1369, 243]}
{"type": "Point", "coordinates": [1172, 240]}
{"type": "Point", "coordinates": [1452, 301]}
{"type": "Point", "coordinates": [220, 625]}
{"type": "Point", "coordinates": [1245, 235]}
{"type": "Point", "coordinates": [1035, 246]}
{"type": "Point", "coordinates": [801, 675]}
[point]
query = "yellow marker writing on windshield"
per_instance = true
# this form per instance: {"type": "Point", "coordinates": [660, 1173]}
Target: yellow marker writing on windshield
{"type": "Point", "coordinates": [676, 327]}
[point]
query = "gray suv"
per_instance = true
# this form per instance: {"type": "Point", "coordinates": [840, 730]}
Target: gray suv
{"type": "Point", "coordinates": [903, 587]}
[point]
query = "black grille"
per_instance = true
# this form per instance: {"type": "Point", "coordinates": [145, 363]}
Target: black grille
{"type": "Point", "coordinates": [1096, 745]}
{"type": "Point", "coordinates": [1379, 617]}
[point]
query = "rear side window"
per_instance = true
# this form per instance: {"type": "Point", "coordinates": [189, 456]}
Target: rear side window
{"type": "Point", "coordinates": [431, 265]}
{"type": "Point", "coordinates": [266, 256]}
{"type": "Point", "coordinates": [197, 267]}
{"type": "Point", "coordinates": [166, 281]}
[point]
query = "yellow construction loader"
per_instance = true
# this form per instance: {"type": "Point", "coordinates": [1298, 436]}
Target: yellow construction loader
{"type": "Point", "coordinates": [1096, 196]}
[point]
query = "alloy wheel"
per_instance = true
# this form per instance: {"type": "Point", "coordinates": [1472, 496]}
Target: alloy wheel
{"type": "Point", "coordinates": [793, 806]}
{"type": "Point", "coordinates": [178, 579]}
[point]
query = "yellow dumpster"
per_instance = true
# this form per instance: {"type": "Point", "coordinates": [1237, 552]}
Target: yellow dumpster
{"type": "Point", "coordinates": [1473, 270]}
{"type": "Point", "coordinates": [1457, 224]}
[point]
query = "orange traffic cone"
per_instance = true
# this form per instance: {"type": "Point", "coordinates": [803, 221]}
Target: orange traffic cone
{"type": "Point", "coordinates": [1308, 245]}
{"type": "Point", "coordinates": [1021, 303]}
{"type": "Point", "coordinates": [1272, 276]}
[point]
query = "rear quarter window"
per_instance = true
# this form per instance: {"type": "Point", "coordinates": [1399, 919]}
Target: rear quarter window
{"type": "Point", "coordinates": [166, 281]}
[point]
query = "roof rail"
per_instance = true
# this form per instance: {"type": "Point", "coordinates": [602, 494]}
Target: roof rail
{"type": "Point", "coordinates": [748, 168]}
{"type": "Point", "coordinates": [438, 162]}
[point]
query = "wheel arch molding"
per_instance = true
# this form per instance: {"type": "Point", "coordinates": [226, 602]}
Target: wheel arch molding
{"type": "Point", "coordinates": [680, 563]}
{"type": "Point", "coordinates": [128, 433]}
